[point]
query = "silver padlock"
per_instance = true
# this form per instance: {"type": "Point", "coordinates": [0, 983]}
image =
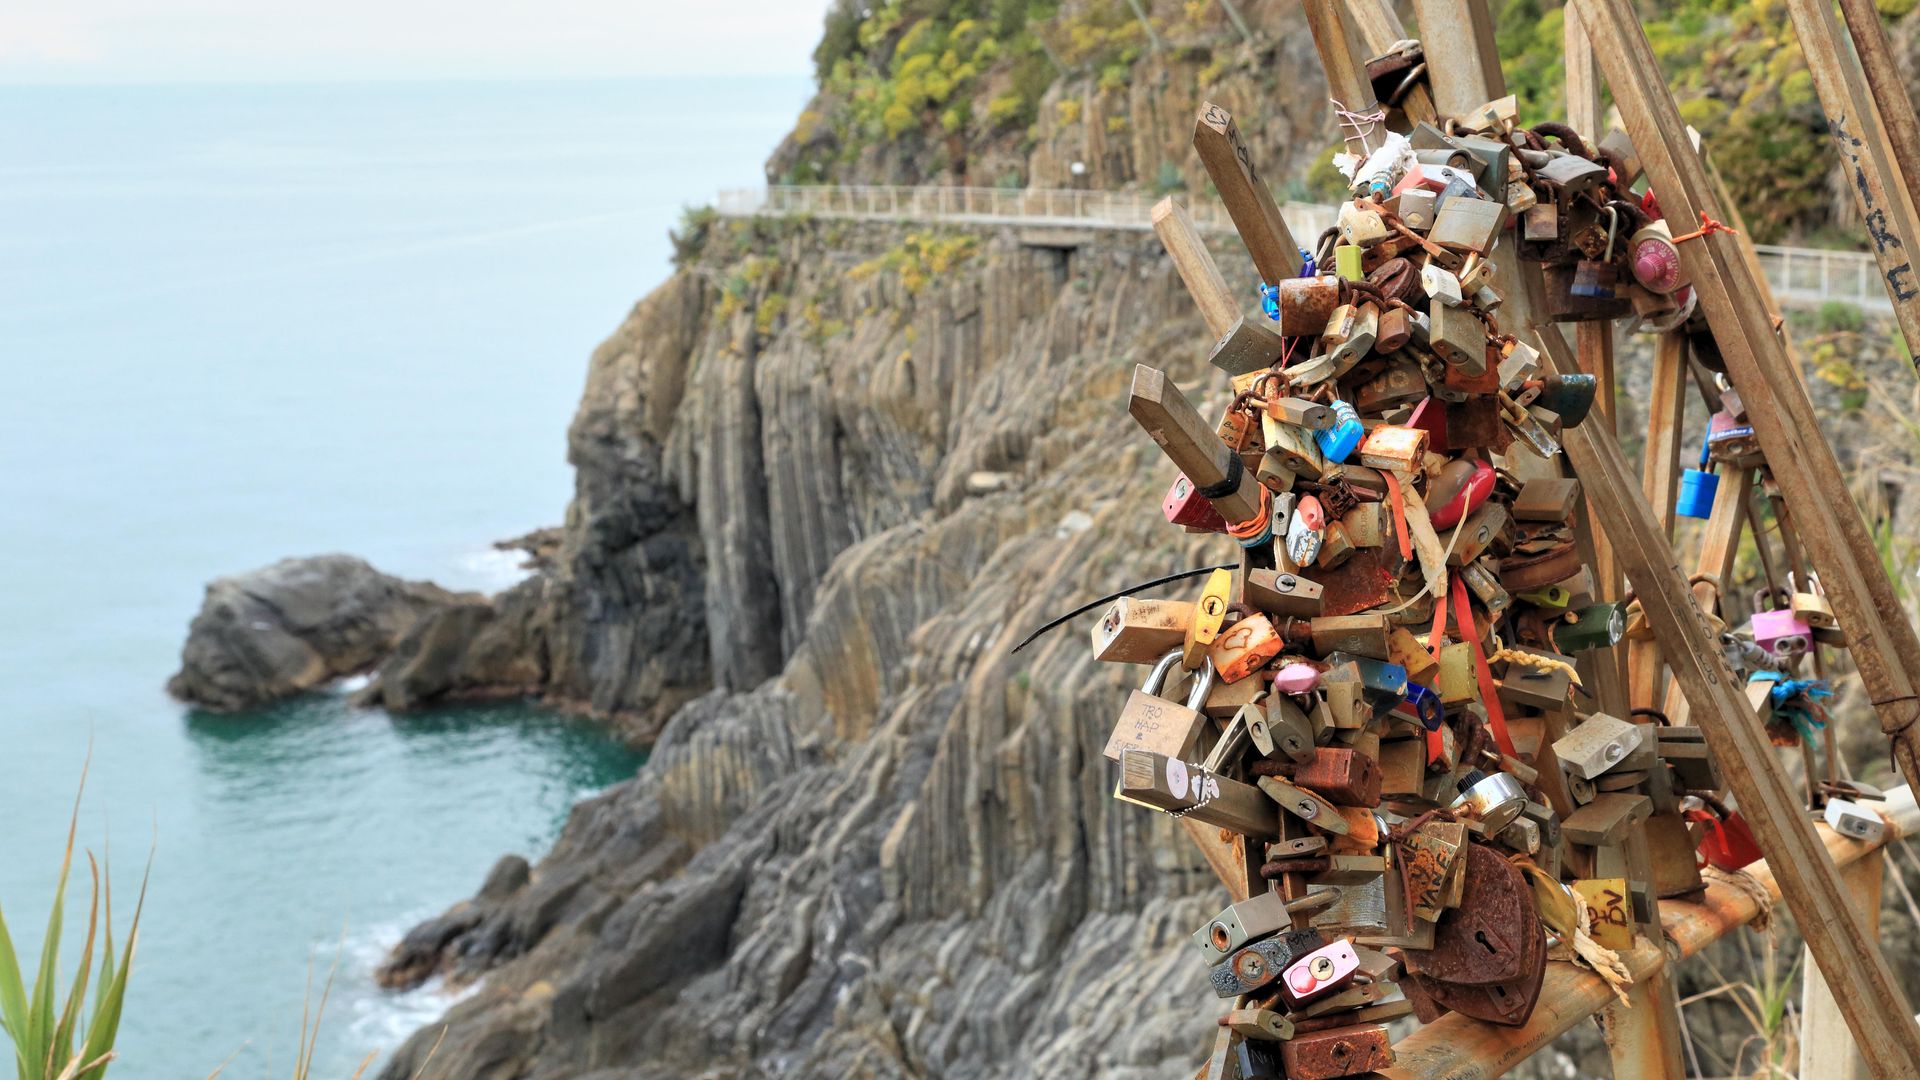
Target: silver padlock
{"type": "Point", "coordinates": [1850, 819]}
{"type": "Point", "coordinates": [1599, 743]}
{"type": "Point", "coordinates": [1492, 799]}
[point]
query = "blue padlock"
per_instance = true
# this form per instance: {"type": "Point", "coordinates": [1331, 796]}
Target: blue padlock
{"type": "Point", "coordinates": [1697, 488]}
{"type": "Point", "coordinates": [1340, 440]}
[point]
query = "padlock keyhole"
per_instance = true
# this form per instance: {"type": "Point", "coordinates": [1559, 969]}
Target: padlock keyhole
{"type": "Point", "coordinates": [1481, 937]}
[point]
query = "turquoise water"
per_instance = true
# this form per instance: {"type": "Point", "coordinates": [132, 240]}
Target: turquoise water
{"type": "Point", "coordinates": [239, 323]}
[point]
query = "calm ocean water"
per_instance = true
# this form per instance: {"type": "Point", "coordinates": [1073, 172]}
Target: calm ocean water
{"type": "Point", "coordinates": [238, 323]}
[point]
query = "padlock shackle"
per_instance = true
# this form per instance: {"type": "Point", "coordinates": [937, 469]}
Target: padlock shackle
{"type": "Point", "coordinates": [1157, 678]}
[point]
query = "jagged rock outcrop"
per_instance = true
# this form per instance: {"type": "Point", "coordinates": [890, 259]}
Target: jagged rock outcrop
{"type": "Point", "coordinates": [297, 625]}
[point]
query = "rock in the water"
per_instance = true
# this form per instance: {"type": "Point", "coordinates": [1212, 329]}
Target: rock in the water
{"type": "Point", "coordinates": [296, 625]}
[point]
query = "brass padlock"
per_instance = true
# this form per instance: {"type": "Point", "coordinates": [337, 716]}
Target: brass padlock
{"type": "Point", "coordinates": [1151, 722]}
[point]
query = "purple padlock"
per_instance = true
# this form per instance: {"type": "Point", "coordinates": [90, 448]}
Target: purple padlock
{"type": "Point", "coordinates": [1781, 632]}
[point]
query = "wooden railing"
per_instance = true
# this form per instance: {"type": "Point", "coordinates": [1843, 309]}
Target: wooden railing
{"type": "Point", "coordinates": [1801, 277]}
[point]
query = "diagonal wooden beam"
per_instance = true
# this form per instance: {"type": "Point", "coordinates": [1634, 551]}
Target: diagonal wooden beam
{"type": "Point", "coordinates": [1174, 226]}
{"type": "Point", "coordinates": [1342, 56]}
{"type": "Point", "coordinates": [1379, 26]}
{"type": "Point", "coordinates": [1809, 882]}
{"type": "Point", "coordinates": [1884, 644]}
{"type": "Point", "coordinates": [1248, 201]}
{"type": "Point", "coordinates": [1876, 183]}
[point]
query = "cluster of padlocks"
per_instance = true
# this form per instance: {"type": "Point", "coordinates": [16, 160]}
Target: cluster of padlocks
{"type": "Point", "coordinates": [1384, 719]}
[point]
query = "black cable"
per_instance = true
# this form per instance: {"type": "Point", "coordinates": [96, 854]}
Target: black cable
{"type": "Point", "coordinates": [1109, 598]}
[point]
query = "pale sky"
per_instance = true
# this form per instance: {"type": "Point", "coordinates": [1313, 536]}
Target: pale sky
{"type": "Point", "coordinates": [302, 40]}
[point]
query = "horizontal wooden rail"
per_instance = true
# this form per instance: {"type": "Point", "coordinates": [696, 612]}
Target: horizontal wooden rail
{"type": "Point", "coordinates": [1801, 277]}
{"type": "Point", "coordinates": [1455, 1046]}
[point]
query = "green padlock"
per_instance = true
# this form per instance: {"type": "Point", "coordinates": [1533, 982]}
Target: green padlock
{"type": "Point", "coordinates": [1553, 596]}
{"type": "Point", "coordinates": [1596, 626]}
{"type": "Point", "coordinates": [1346, 263]}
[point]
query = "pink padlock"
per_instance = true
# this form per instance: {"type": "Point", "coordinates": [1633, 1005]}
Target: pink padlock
{"type": "Point", "coordinates": [1781, 632]}
{"type": "Point", "coordinates": [1320, 972]}
{"type": "Point", "coordinates": [1296, 679]}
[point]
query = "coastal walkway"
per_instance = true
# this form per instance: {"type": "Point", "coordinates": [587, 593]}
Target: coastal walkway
{"type": "Point", "coordinates": [1801, 277]}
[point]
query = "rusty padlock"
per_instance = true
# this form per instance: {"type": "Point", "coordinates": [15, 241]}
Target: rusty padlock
{"type": "Point", "coordinates": [1492, 936]}
{"type": "Point", "coordinates": [1256, 965]}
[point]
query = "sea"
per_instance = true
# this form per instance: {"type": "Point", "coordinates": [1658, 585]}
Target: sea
{"type": "Point", "coordinates": [245, 322]}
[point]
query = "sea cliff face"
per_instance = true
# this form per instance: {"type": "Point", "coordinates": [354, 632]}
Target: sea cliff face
{"type": "Point", "coordinates": [879, 843]}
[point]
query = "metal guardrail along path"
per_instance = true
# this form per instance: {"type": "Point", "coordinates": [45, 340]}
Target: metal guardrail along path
{"type": "Point", "coordinates": [1801, 277]}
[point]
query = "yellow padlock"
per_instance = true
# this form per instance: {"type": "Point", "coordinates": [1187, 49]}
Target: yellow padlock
{"type": "Point", "coordinates": [1208, 613]}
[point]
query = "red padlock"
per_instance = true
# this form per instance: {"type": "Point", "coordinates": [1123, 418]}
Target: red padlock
{"type": "Point", "coordinates": [1184, 505]}
{"type": "Point", "coordinates": [1728, 843]}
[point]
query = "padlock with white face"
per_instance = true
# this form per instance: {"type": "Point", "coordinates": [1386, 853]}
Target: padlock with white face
{"type": "Point", "coordinates": [1599, 743]}
{"type": "Point", "coordinates": [1320, 972]}
{"type": "Point", "coordinates": [1850, 819]}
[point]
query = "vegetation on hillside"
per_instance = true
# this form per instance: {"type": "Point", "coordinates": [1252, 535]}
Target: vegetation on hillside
{"type": "Point", "coordinates": [934, 80]}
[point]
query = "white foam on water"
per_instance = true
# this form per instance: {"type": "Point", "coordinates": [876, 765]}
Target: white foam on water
{"type": "Point", "coordinates": [380, 1020]}
{"type": "Point", "coordinates": [352, 684]}
{"type": "Point", "coordinates": [489, 570]}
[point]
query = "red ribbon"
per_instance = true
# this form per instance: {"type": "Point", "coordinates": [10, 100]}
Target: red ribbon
{"type": "Point", "coordinates": [1399, 514]}
{"type": "Point", "coordinates": [1489, 693]}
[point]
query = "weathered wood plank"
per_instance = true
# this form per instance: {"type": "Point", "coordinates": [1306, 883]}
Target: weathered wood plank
{"type": "Point", "coordinates": [1341, 55]}
{"type": "Point", "coordinates": [1191, 443]}
{"type": "Point", "coordinates": [1660, 479]}
{"type": "Point", "coordinates": [1245, 195]}
{"type": "Point", "coordinates": [1885, 646]}
{"type": "Point", "coordinates": [1854, 127]}
{"type": "Point", "coordinates": [1195, 264]}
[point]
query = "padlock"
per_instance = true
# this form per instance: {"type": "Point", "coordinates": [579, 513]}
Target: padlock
{"type": "Point", "coordinates": [1309, 807]}
{"type": "Point", "coordinates": [1697, 490]}
{"type": "Point", "coordinates": [1492, 799]}
{"type": "Point", "coordinates": [1254, 966]}
{"type": "Point", "coordinates": [1598, 744]}
{"type": "Point", "coordinates": [1153, 723]}
{"type": "Point", "coordinates": [1340, 438]}
{"type": "Point", "coordinates": [1430, 869]}
{"type": "Point", "coordinates": [1280, 593]}
{"type": "Point", "coordinates": [1346, 776]}
{"type": "Point", "coordinates": [1478, 534]}
{"type": "Point", "coordinates": [1135, 631]}
{"type": "Point", "coordinates": [1394, 448]}
{"type": "Point", "coordinates": [1811, 607]}
{"type": "Point", "coordinates": [1850, 819]}
{"type": "Point", "coordinates": [1493, 936]}
{"type": "Point", "coordinates": [1319, 973]}
{"type": "Point", "coordinates": [1349, 262]}
{"type": "Point", "coordinates": [1306, 531]}
{"type": "Point", "coordinates": [1598, 626]}
{"type": "Point", "coordinates": [1415, 208]}
{"type": "Point", "coordinates": [1361, 227]}
{"type": "Point", "coordinates": [1244, 648]}
{"type": "Point", "coordinates": [1300, 413]}
{"type": "Point", "coordinates": [1363, 634]}
{"type": "Point", "coordinates": [1260, 1024]}
{"type": "Point", "coordinates": [1209, 612]}
{"type": "Point", "coordinates": [1467, 223]}
{"type": "Point", "coordinates": [1570, 397]}
{"type": "Point", "coordinates": [1248, 921]}
{"type": "Point", "coordinates": [1305, 304]}
{"type": "Point", "coordinates": [1336, 547]}
{"type": "Point", "coordinates": [1655, 259]}
{"type": "Point", "coordinates": [1781, 632]}
{"type": "Point", "coordinates": [1295, 447]}
{"type": "Point", "coordinates": [1607, 898]}
{"type": "Point", "coordinates": [1595, 277]}
{"type": "Point", "coordinates": [1457, 490]}
{"type": "Point", "coordinates": [1286, 730]}
{"type": "Point", "coordinates": [1440, 286]}
{"type": "Point", "coordinates": [1728, 842]}
{"type": "Point", "coordinates": [1184, 505]}
{"type": "Point", "coordinates": [1353, 1050]}
{"type": "Point", "coordinates": [1571, 173]}
{"type": "Point", "coordinates": [1457, 338]}
{"type": "Point", "coordinates": [1485, 586]}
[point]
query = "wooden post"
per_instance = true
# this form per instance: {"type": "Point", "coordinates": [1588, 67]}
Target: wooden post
{"type": "Point", "coordinates": [1465, 73]}
{"type": "Point", "coordinates": [1593, 341]}
{"type": "Point", "coordinates": [1246, 197]}
{"type": "Point", "coordinates": [1380, 27]}
{"type": "Point", "coordinates": [1660, 479]}
{"type": "Point", "coordinates": [1789, 433]}
{"type": "Point", "coordinates": [1340, 55]}
{"type": "Point", "coordinates": [1889, 89]}
{"type": "Point", "coordinates": [1876, 186]}
{"type": "Point", "coordinates": [1189, 442]}
{"type": "Point", "coordinates": [1826, 1046]}
{"type": "Point", "coordinates": [1196, 266]}
{"type": "Point", "coordinates": [1884, 645]}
